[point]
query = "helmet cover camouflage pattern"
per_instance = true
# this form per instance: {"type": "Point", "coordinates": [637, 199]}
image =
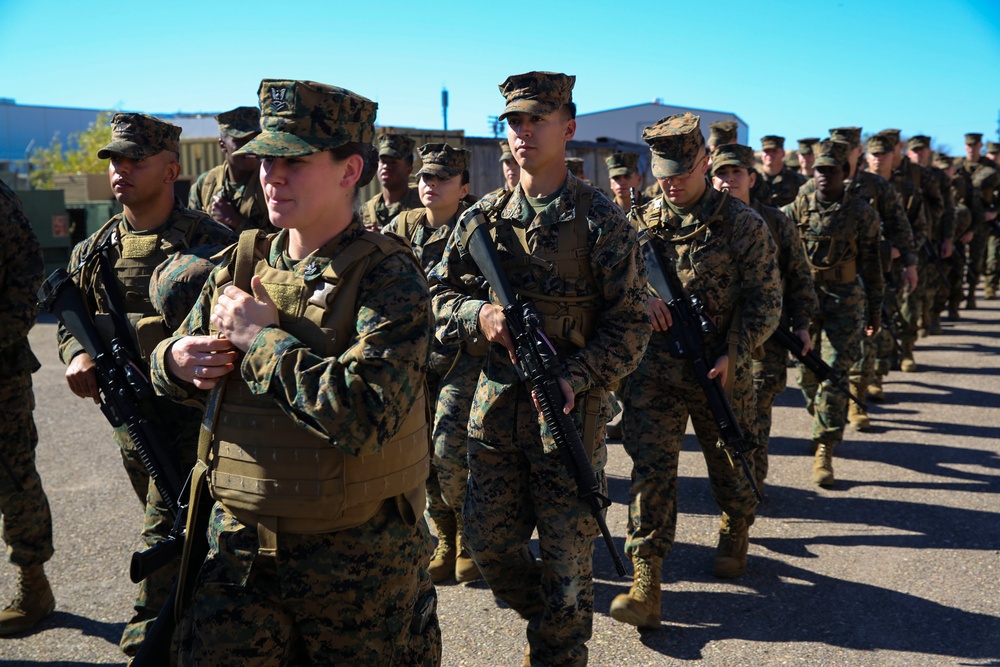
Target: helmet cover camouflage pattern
{"type": "Point", "coordinates": [304, 117]}
{"type": "Point", "coordinates": [176, 283]}
{"type": "Point", "coordinates": [772, 141]}
{"type": "Point", "coordinates": [722, 132]}
{"type": "Point", "coordinates": [622, 164]}
{"type": "Point", "coordinates": [806, 145]}
{"type": "Point", "coordinates": [240, 122]}
{"type": "Point", "coordinates": [849, 135]}
{"type": "Point", "coordinates": [831, 153]}
{"type": "Point", "coordinates": [505, 153]}
{"type": "Point", "coordinates": [443, 161]}
{"type": "Point", "coordinates": [918, 141]}
{"type": "Point", "coordinates": [398, 146]}
{"type": "Point", "coordinates": [575, 166]}
{"type": "Point", "coordinates": [732, 155]}
{"type": "Point", "coordinates": [676, 143]}
{"type": "Point", "coordinates": [138, 136]}
{"type": "Point", "coordinates": [973, 138]}
{"type": "Point", "coordinates": [539, 93]}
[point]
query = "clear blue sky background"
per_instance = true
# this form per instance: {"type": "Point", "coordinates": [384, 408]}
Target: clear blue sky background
{"type": "Point", "coordinates": [789, 67]}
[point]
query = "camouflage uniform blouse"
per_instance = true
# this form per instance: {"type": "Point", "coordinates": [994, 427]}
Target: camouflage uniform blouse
{"type": "Point", "coordinates": [21, 269]}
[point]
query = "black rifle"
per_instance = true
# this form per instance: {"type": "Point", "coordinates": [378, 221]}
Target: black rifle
{"type": "Point", "coordinates": [685, 339]}
{"type": "Point", "coordinates": [124, 394]}
{"type": "Point", "coordinates": [537, 363]}
{"type": "Point", "coordinates": [811, 360]}
{"type": "Point", "coordinates": [933, 256]}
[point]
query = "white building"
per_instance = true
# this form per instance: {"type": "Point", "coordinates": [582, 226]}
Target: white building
{"type": "Point", "coordinates": [627, 123]}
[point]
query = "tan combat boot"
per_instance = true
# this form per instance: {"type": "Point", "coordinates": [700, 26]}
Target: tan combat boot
{"type": "Point", "coordinates": [935, 329]}
{"type": "Point", "coordinates": [908, 365]}
{"type": "Point", "coordinates": [32, 602]}
{"type": "Point", "coordinates": [990, 292]}
{"type": "Point", "coordinates": [466, 569]}
{"type": "Point", "coordinates": [731, 553]}
{"type": "Point", "coordinates": [823, 465]}
{"type": "Point", "coordinates": [875, 392]}
{"type": "Point", "coordinates": [442, 565]}
{"type": "Point", "coordinates": [857, 415]}
{"type": "Point", "coordinates": [641, 605]}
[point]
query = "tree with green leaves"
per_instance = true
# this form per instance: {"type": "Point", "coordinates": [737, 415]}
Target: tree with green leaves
{"type": "Point", "coordinates": [78, 156]}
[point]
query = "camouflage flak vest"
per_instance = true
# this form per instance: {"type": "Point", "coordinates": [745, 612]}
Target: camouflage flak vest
{"type": "Point", "coordinates": [271, 473]}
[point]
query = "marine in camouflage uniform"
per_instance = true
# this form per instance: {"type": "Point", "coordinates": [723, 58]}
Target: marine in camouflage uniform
{"type": "Point", "coordinates": [897, 237]}
{"type": "Point", "coordinates": [511, 169]}
{"type": "Point", "coordinates": [798, 300]}
{"type": "Point", "coordinates": [166, 231]}
{"type": "Point", "coordinates": [782, 181]}
{"type": "Point", "coordinates": [805, 156]}
{"type": "Point", "coordinates": [955, 264]}
{"type": "Point", "coordinates": [231, 192]}
{"type": "Point", "coordinates": [940, 208]}
{"type": "Point", "coordinates": [27, 521]}
{"type": "Point", "coordinates": [591, 293]}
{"type": "Point", "coordinates": [454, 369]}
{"type": "Point", "coordinates": [721, 251]}
{"type": "Point", "coordinates": [991, 275]}
{"type": "Point", "coordinates": [626, 180]}
{"type": "Point", "coordinates": [395, 152]}
{"type": "Point", "coordinates": [840, 233]}
{"type": "Point", "coordinates": [337, 574]}
{"type": "Point", "coordinates": [977, 176]}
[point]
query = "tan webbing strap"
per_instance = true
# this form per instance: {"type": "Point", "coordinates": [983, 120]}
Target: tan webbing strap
{"type": "Point", "coordinates": [592, 419]}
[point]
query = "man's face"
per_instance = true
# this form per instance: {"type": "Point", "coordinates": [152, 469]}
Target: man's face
{"type": "Point", "coordinates": [539, 142]}
{"type": "Point", "coordinates": [686, 189]}
{"type": "Point", "coordinates": [880, 162]}
{"type": "Point", "coordinates": [621, 185]}
{"type": "Point", "coordinates": [829, 181]}
{"type": "Point", "coordinates": [139, 182]}
{"type": "Point", "coordinates": [735, 180]}
{"type": "Point", "coordinates": [511, 173]}
{"type": "Point", "coordinates": [242, 164]}
{"type": "Point", "coordinates": [773, 159]}
{"type": "Point", "coordinates": [972, 150]}
{"type": "Point", "coordinates": [921, 156]}
{"type": "Point", "coordinates": [806, 161]}
{"type": "Point", "coordinates": [393, 172]}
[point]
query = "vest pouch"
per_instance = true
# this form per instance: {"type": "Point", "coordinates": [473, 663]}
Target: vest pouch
{"type": "Point", "coordinates": [149, 331]}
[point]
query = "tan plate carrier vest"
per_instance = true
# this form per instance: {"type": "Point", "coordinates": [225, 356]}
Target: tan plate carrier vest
{"type": "Point", "coordinates": [271, 473]}
{"type": "Point", "coordinates": [830, 258]}
{"type": "Point", "coordinates": [134, 257]}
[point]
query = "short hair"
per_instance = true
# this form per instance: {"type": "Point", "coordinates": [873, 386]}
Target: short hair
{"type": "Point", "coordinates": [570, 108]}
{"type": "Point", "coordinates": [466, 177]}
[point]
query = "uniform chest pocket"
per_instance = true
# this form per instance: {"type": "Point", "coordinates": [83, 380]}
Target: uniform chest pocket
{"type": "Point", "coordinates": [710, 257]}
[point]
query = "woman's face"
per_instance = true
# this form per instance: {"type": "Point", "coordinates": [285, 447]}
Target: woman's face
{"type": "Point", "coordinates": [301, 192]}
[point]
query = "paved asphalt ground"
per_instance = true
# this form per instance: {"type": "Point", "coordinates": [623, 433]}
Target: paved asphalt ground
{"type": "Point", "coordinates": [899, 564]}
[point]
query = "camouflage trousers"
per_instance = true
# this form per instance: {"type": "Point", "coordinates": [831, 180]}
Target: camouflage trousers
{"type": "Point", "coordinates": [992, 265]}
{"type": "Point", "coordinates": [770, 376]}
{"type": "Point", "coordinates": [450, 466]}
{"type": "Point", "coordinates": [911, 304]}
{"type": "Point", "coordinates": [836, 333]}
{"type": "Point", "coordinates": [359, 596]}
{"type": "Point", "coordinates": [27, 521]}
{"type": "Point", "coordinates": [956, 274]}
{"type": "Point", "coordinates": [654, 419]}
{"type": "Point", "coordinates": [156, 525]}
{"type": "Point", "coordinates": [877, 354]}
{"type": "Point", "coordinates": [977, 249]}
{"type": "Point", "coordinates": [518, 484]}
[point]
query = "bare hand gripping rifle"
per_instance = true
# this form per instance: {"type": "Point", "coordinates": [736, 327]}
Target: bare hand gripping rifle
{"type": "Point", "coordinates": [685, 339]}
{"type": "Point", "coordinates": [537, 364]}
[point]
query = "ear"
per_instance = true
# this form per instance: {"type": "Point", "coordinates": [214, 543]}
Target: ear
{"type": "Point", "coordinates": [222, 146]}
{"type": "Point", "coordinates": [753, 177]}
{"type": "Point", "coordinates": [173, 172]}
{"type": "Point", "coordinates": [570, 130]}
{"type": "Point", "coordinates": [353, 166]}
{"type": "Point", "coordinates": [464, 190]}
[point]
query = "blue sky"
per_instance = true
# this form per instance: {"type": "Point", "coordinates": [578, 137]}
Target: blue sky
{"type": "Point", "coordinates": [788, 67]}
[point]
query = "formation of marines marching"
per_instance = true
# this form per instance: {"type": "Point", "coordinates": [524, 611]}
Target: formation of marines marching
{"type": "Point", "coordinates": [332, 375]}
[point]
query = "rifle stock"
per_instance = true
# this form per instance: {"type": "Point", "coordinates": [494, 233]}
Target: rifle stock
{"type": "Point", "coordinates": [811, 360]}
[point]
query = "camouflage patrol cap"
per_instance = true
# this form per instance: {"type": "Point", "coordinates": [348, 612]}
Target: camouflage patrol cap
{"type": "Point", "coordinates": [539, 93]}
{"type": "Point", "coordinates": [992, 147]}
{"type": "Point", "coordinates": [791, 159]}
{"type": "Point", "coordinates": [138, 136]}
{"type": "Point", "coordinates": [806, 145]}
{"type": "Point", "coordinates": [973, 138]}
{"type": "Point", "coordinates": [575, 166]}
{"type": "Point", "coordinates": [849, 135]}
{"type": "Point", "coordinates": [831, 153]}
{"type": "Point", "coordinates": [918, 142]}
{"type": "Point", "coordinates": [304, 117]}
{"type": "Point", "coordinates": [676, 142]}
{"type": "Point", "coordinates": [879, 143]}
{"type": "Point", "coordinates": [240, 122]}
{"type": "Point", "coordinates": [397, 146]}
{"type": "Point", "coordinates": [505, 153]}
{"type": "Point", "coordinates": [622, 164]}
{"type": "Point", "coordinates": [722, 132]}
{"type": "Point", "coordinates": [177, 281]}
{"type": "Point", "coordinates": [772, 141]}
{"type": "Point", "coordinates": [943, 161]}
{"type": "Point", "coordinates": [443, 161]}
{"type": "Point", "coordinates": [893, 135]}
{"type": "Point", "coordinates": [732, 155]}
